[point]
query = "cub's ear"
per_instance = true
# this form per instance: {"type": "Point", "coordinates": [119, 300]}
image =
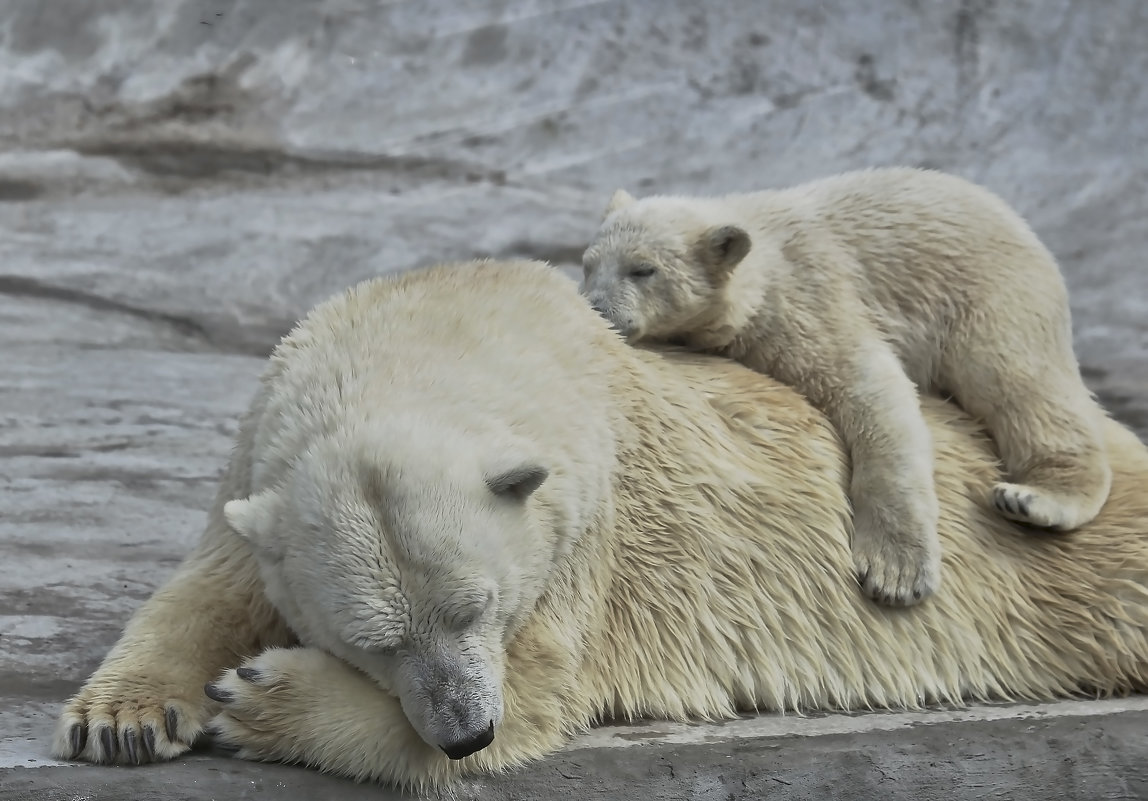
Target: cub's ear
{"type": "Point", "coordinates": [253, 519]}
{"type": "Point", "coordinates": [517, 482]}
{"type": "Point", "coordinates": [722, 248]}
{"type": "Point", "coordinates": [619, 200]}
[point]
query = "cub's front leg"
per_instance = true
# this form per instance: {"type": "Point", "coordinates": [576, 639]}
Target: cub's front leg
{"type": "Point", "coordinates": [145, 702]}
{"type": "Point", "coordinates": [875, 407]}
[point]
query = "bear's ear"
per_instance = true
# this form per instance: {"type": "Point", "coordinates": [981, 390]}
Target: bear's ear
{"type": "Point", "coordinates": [722, 248]}
{"type": "Point", "coordinates": [518, 482]}
{"type": "Point", "coordinates": [620, 199]}
{"type": "Point", "coordinates": [253, 519]}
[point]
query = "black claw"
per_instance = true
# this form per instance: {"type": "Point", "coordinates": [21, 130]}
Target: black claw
{"type": "Point", "coordinates": [131, 746]}
{"type": "Point", "coordinates": [108, 741]}
{"type": "Point", "coordinates": [171, 723]}
{"type": "Point", "coordinates": [247, 674]}
{"type": "Point", "coordinates": [1022, 505]}
{"type": "Point", "coordinates": [77, 738]}
{"type": "Point", "coordinates": [216, 693]}
{"type": "Point", "coordinates": [149, 743]}
{"type": "Point", "coordinates": [863, 577]}
{"type": "Point", "coordinates": [225, 749]}
{"type": "Point", "coordinates": [1001, 500]}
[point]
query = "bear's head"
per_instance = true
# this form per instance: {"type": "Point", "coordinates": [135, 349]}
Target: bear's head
{"type": "Point", "coordinates": [413, 551]}
{"type": "Point", "coordinates": [659, 266]}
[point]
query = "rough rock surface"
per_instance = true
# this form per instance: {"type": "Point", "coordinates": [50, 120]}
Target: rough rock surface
{"type": "Point", "coordinates": [179, 181]}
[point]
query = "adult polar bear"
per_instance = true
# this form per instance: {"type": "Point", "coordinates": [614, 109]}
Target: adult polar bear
{"type": "Point", "coordinates": [462, 482]}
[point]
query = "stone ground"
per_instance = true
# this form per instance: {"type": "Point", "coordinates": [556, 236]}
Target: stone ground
{"type": "Point", "coordinates": [180, 181]}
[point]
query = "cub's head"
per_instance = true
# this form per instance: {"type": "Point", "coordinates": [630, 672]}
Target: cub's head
{"type": "Point", "coordinates": [414, 553]}
{"type": "Point", "coordinates": [658, 267]}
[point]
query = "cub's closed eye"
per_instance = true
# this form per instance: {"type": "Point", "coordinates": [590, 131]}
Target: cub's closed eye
{"type": "Point", "coordinates": [645, 271]}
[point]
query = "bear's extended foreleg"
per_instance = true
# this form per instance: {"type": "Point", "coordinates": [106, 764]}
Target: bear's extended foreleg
{"type": "Point", "coordinates": [145, 702]}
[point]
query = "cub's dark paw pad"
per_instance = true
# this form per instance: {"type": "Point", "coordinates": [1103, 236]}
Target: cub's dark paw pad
{"type": "Point", "coordinates": [1015, 503]}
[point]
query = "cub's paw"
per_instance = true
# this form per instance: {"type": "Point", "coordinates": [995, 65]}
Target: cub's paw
{"type": "Point", "coordinates": [1034, 507]}
{"type": "Point", "coordinates": [897, 558]}
{"type": "Point", "coordinates": [128, 721]}
{"type": "Point", "coordinates": [897, 579]}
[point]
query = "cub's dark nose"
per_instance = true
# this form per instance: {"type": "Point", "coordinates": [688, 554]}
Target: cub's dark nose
{"type": "Point", "coordinates": [465, 748]}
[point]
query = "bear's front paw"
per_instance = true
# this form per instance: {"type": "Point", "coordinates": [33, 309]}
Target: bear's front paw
{"type": "Point", "coordinates": [897, 557]}
{"type": "Point", "coordinates": [303, 705]}
{"type": "Point", "coordinates": [128, 721]}
{"type": "Point", "coordinates": [280, 705]}
{"type": "Point", "coordinates": [257, 706]}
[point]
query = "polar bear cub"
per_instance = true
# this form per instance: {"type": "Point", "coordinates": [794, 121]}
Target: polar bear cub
{"type": "Point", "coordinates": [859, 290]}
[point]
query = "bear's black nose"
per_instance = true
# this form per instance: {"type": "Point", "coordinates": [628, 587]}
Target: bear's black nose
{"type": "Point", "coordinates": [465, 748]}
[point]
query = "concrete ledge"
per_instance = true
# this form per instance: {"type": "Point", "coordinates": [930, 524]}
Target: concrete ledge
{"type": "Point", "coordinates": [1066, 750]}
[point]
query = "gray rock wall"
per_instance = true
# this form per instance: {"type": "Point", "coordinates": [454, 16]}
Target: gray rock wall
{"type": "Point", "coordinates": [181, 179]}
{"type": "Point", "coordinates": [227, 164]}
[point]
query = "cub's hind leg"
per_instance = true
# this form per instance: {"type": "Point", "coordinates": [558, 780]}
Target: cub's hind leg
{"type": "Point", "coordinates": [1048, 431]}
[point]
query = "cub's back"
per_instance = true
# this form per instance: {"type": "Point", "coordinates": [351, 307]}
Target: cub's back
{"type": "Point", "coordinates": [953, 237]}
{"type": "Point", "coordinates": [932, 257]}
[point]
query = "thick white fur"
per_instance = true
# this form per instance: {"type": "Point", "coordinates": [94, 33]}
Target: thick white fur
{"type": "Point", "coordinates": [859, 290]}
{"type": "Point", "coordinates": [685, 556]}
